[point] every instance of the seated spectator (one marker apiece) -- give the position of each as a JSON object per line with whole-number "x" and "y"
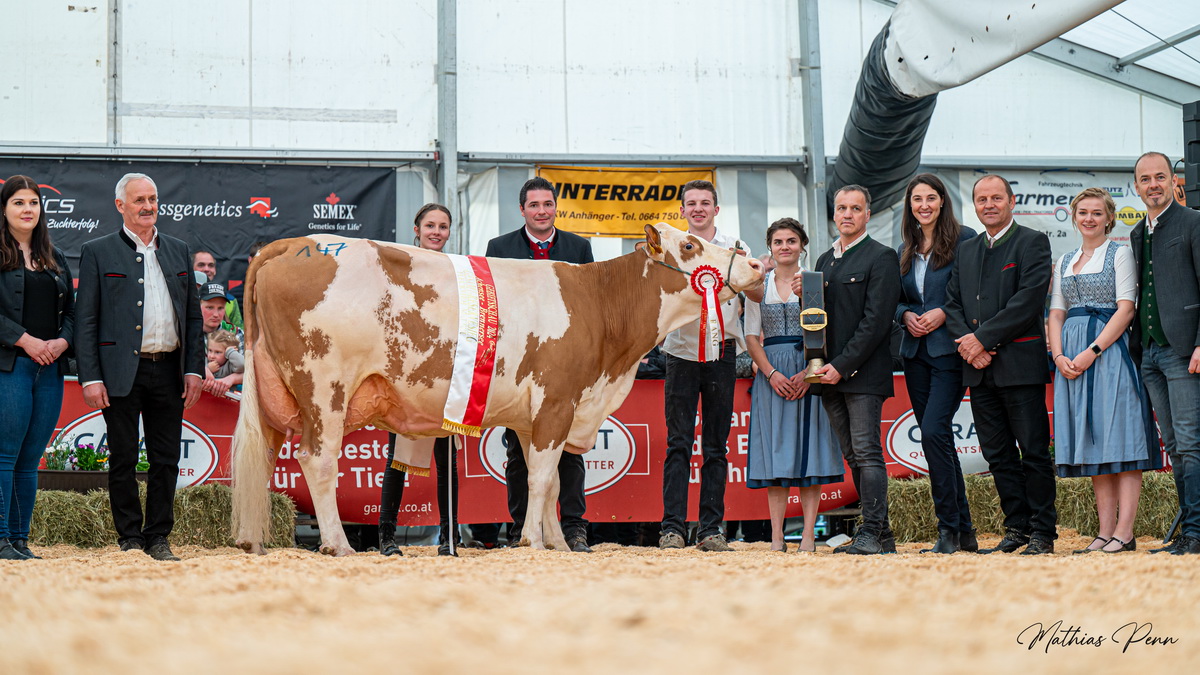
{"x": 224, "y": 358}
{"x": 212, "y": 312}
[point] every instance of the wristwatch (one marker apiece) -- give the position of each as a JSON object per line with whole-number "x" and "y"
{"x": 1095, "y": 349}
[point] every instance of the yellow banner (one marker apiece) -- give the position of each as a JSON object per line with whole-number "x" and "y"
{"x": 617, "y": 201}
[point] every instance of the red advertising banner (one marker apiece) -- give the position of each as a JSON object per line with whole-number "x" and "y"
{"x": 624, "y": 469}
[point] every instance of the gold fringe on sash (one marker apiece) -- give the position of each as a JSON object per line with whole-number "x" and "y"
{"x": 406, "y": 468}
{"x": 457, "y": 428}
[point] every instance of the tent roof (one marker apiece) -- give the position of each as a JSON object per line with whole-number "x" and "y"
{"x": 1163, "y": 36}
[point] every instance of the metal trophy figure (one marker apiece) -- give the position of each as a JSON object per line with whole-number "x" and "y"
{"x": 813, "y": 320}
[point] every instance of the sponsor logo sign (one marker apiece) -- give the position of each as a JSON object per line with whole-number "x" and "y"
{"x": 197, "y": 452}
{"x": 338, "y": 216}
{"x": 606, "y": 463}
{"x": 619, "y": 202}
{"x": 904, "y": 442}
{"x": 261, "y": 206}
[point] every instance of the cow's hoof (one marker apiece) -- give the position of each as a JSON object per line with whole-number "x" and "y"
{"x": 337, "y": 551}
{"x": 251, "y": 547}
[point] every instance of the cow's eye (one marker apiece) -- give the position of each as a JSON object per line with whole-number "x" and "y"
{"x": 688, "y": 247}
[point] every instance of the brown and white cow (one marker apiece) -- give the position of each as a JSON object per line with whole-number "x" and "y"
{"x": 341, "y": 333}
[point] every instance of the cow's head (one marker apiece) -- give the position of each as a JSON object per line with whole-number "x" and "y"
{"x": 687, "y": 253}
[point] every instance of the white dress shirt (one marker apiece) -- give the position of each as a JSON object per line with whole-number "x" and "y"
{"x": 684, "y": 342}
{"x": 839, "y": 250}
{"x": 991, "y": 241}
{"x": 159, "y": 333}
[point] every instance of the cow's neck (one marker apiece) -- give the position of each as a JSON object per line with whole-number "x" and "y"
{"x": 638, "y": 303}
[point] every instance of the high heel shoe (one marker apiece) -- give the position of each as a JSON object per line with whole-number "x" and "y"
{"x": 1103, "y": 543}
{"x": 1130, "y": 545}
{"x": 780, "y": 550}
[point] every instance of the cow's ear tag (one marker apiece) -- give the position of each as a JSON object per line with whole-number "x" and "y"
{"x": 653, "y": 241}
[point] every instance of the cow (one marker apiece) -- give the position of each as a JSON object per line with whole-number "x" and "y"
{"x": 342, "y": 333}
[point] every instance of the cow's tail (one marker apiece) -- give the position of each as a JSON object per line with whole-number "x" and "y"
{"x": 253, "y": 456}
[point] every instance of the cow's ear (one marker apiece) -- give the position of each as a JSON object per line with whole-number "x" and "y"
{"x": 653, "y": 240}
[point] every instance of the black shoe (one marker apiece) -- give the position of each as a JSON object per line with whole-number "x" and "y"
{"x": 967, "y": 541}
{"x": 947, "y": 543}
{"x": 133, "y": 545}
{"x": 1187, "y": 546}
{"x": 578, "y": 544}
{"x": 1082, "y": 551}
{"x": 887, "y": 542}
{"x": 387, "y": 540}
{"x": 1039, "y": 546}
{"x": 1013, "y": 540}
{"x": 7, "y": 552}
{"x": 1168, "y": 548}
{"x": 22, "y": 546}
{"x": 161, "y": 550}
{"x": 444, "y": 549}
{"x": 1130, "y": 545}
{"x": 865, "y": 543}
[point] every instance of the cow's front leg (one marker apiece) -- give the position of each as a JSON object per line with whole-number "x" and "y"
{"x": 543, "y": 497}
{"x": 321, "y": 472}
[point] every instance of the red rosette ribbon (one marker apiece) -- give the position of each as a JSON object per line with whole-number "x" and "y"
{"x": 707, "y": 282}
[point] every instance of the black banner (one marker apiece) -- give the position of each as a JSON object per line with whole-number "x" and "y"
{"x": 220, "y": 208}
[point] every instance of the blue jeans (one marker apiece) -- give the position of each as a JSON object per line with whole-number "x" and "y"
{"x": 1175, "y": 395}
{"x": 30, "y": 400}
{"x": 855, "y": 419}
{"x": 710, "y": 384}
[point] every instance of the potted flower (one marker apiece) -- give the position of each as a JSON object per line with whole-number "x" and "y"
{"x": 68, "y": 465}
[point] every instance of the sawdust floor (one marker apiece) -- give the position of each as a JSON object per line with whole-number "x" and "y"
{"x": 627, "y": 610}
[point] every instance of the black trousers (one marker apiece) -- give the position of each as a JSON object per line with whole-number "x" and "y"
{"x": 936, "y": 390}
{"x": 393, "y": 485}
{"x": 571, "y": 502}
{"x": 157, "y": 397}
{"x": 1014, "y": 434}
{"x": 710, "y": 385}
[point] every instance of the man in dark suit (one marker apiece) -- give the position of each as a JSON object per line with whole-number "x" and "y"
{"x": 1168, "y": 330}
{"x": 138, "y": 347}
{"x": 540, "y": 240}
{"x": 862, "y": 290}
{"x": 994, "y": 307}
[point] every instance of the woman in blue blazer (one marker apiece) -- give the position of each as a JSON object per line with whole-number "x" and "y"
{"x": 932, "y": 367}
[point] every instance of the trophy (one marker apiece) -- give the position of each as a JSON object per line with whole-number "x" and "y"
{"x": 813, "y": 320}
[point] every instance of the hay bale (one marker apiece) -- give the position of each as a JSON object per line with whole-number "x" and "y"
{"x": 910, "y": 506}
{"x": 201, "y": 518}
{"x": 69, "y": 518}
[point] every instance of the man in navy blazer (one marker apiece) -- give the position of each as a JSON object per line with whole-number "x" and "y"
{"x": 138, "y": 345}
{"x": 540, "y": 240}
{"x": 1168, "y": 330}
{"x": 995, "y": 302}
{"x": 862, "y": 289}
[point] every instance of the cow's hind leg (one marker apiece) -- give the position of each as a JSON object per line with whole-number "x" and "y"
{"x": 320, "y": 469}
{"x": 541, "y": 518}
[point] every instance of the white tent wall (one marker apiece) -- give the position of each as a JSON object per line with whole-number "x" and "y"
{"x": 278, "y": 74}
{"x": 705, "y": 77}
{"x": 53, "y": 88}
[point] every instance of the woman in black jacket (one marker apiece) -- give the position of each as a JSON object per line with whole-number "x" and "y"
{"x": 37, "y": 315}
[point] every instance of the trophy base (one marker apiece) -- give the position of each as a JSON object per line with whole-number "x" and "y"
{"x": 810, "y": 373}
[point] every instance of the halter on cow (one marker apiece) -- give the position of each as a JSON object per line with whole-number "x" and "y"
{"x": 341, "y": 333}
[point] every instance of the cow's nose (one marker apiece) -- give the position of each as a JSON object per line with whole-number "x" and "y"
{"x": 756, "y": 265}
